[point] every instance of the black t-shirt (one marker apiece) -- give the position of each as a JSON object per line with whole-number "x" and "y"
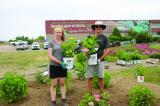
{"x": 103, "y": 43}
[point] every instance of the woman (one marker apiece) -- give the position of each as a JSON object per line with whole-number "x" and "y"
{"x": 57, "y": 69}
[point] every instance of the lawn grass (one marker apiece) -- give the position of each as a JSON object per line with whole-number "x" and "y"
{"x": 151, "y": 74}
{"x": 23, "y": 59}
{"x": 155, "y": 46}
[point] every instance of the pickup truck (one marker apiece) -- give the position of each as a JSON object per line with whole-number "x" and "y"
{"x": 22, "y": 46}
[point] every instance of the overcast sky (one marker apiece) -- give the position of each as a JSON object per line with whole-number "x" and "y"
{"x": 27, "y": 17}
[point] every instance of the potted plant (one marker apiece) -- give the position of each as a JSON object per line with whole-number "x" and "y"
{"x": 91, "y": 43}
{"x": 155, "y": 58}
{"x": 140, "y": 73}
{"x": 128, "y": 59}
{"x": 136, "y": 57}
{"x": 69, "y": 47}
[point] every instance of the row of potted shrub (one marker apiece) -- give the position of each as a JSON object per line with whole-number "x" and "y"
{"x": 128, "y": 58}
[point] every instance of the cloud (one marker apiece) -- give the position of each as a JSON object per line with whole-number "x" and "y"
{"x": 27, "y": 17}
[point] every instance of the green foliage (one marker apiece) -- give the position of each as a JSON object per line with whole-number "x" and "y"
{"x": 141, "y": 96}
{"x": 144, "y": 37}
{"x": 109, "y": 58}
{"x": 13, "y": 87}
{"x": 91, "y": 43}
{"x": 80, "y": 65}
{"x": 86, "y": 99}
{"x": 68, "y": 85}
{"x": 136, "y": 55}
{"x": 106, "y": 80}
{"x": 89, "y": 98}
{"x": 69, "y": 47}
{"x": 42, "y": 79}
{"x": 126, "y": 38}
{"x": 103, "y": 101}
{"x": 132, "y": 33}
{"x": 113, "y": 38}
{"x": 40, "y": 38}
{"x": 81, "y": 58}
{"x": 155, "y": 56}
{"x": 139, "y": 70}
{"x": 116, "y": 32}
{"x": 122, "y": 55}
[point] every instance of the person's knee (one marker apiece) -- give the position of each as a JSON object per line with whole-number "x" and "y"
{"x": 53, "y": 85}
{"x": 62, "y": 83}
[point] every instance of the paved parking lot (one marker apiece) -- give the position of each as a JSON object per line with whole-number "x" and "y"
{"x": 8, "y": 48}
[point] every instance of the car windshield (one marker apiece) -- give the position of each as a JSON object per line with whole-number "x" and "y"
{"x": 20, "y": 44}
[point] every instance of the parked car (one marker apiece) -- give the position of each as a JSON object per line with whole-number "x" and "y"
{"x": 45, "y": 45}
{"x": 21, "y": 46}
{"x": 35, "y": 46}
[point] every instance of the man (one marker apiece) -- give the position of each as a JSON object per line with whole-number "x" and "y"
{"x": 102, "y": 51}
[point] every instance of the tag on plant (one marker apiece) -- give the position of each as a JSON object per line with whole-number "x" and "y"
{"x": 92, "y": 60}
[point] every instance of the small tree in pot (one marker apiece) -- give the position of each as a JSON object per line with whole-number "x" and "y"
{"x": 91, "y": 43}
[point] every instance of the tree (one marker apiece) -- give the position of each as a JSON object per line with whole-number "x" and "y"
{"x": 116, "y": 32}
{"x": 132, "y": 33}
{"x": 40, "y": 38}
{"x": 22, "y": 38}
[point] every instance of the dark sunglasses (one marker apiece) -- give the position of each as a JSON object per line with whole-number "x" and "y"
{"x": 98, "y": 26}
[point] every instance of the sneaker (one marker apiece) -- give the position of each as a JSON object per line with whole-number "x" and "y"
{"x": 53, "y": 103}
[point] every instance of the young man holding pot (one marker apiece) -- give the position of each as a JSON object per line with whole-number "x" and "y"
{"x": 103, "y": 50}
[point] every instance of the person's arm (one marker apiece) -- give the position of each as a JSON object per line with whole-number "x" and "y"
{"x": 53, "y": 58}
{"x": 105, "y": 53}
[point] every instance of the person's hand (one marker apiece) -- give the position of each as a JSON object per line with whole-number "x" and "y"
{"x": 99, "y": 60}
{"x": 85, "y": 50}
{"x": 63, "y": 65}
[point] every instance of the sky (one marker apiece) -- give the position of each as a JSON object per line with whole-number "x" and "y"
{"x": 27, "y": 17}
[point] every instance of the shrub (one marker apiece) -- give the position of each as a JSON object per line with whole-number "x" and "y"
{"x": 139, "y": 70}
{"x": 91, "y": 43}
{"x": 116, "y": 32}
{"x": 13, "y": 87}
{"x": 141, "y": 96}
{"x": 80, "y": 65}
{"x": 69, "y": 47}
{"x": 113, "y": 38}
{"x": 42, "y": 79}
{"x": 87, "y": 99}
{"x": 144, "y": 37}
{"x": 136, "y": 55}
{"x": 155, "y": 56}
{"x": 126, "y": 38}
{"x": 106, "y": 80}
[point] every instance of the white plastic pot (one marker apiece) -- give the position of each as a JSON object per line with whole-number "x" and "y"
{"x": 123, "y": 62}
{"x": 92, "y": 60}
{"x": 69, "y": 62}
{"x": 140, "y": 78}
{"x": 45, "y": 73}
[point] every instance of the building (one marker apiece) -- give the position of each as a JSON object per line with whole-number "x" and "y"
{"x": 155, "y": 28}
{"x": 81, "y": 28}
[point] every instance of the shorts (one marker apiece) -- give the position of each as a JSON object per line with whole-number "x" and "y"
{"x": 57, "y": 71}
{"x": 98, "y": 69}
